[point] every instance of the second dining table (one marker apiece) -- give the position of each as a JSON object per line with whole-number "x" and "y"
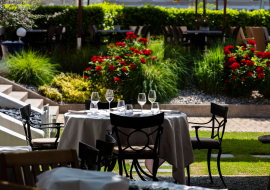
{"x": 175, "y": 144}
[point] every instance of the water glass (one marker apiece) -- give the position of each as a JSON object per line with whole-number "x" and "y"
{"x": 121, "y": 106}
{"x": 155, "y": 108}
{"x": 93, "y": 108}
{"x": 129, "y": 109}
{"x": 109, "y": 97}
{"x": 152, "y": 96}
{"x": 95, "y": 98}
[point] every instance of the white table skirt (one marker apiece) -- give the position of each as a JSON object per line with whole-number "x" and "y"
{"x": 175, "y": 144}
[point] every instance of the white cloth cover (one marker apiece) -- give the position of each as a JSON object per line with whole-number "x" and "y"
{"x": 5, "y": 149}
{"x": 83, "y": 112}
{"x": 76, "y": 179}
{"x": 170, "y": 111}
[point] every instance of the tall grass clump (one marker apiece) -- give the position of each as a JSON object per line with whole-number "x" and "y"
{"x": 31, "y": 68}
{"x": 208, "y": 70}
{"x": 4, "y": 70}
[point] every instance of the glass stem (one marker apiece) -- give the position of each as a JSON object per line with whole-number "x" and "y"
{"x": 141, "y": 107}
{"x": 109, "y": 106}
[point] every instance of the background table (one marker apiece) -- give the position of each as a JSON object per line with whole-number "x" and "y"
{"x": 175, "y": 144}
{"x": 115, "y": 31}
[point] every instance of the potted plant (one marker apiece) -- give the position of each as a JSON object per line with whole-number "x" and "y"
{"x": 204, "y": 24}
{"x": 118, "y": 20}
{"x": 16, "y": 16}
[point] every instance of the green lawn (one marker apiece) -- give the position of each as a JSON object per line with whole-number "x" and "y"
{"x": 242, "y": 145}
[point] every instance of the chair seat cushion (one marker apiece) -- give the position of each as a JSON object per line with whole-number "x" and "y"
{"x": 204, "y": 142}
{"x": 130, "y": 151}
{"x": 44, "y": 142}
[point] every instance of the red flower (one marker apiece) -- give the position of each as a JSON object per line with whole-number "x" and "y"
{"x": 116, "y": 79}
{"x": 88, "y": 69}
{"x": 243, "y": 62}
{"x": 252, "y": 42}
{"x": 260, "y": 54}
{"x": 111, "y": 46}
{"x": 249, "y": 74}
{"x": 122, "y": 63}
{"x": 117, "y": 57}
{"x": 95, "y": 58}
{"x": 229, "y": 47}
{"x": 85, "y": 77}
{"x": 249, "y": 63}
{"x": 227, "y": 52}
{"x": 267, "y": 63}
{"x": 246, "y": 57}
{"x": 226, "y": 80}
{"x": 98, "y": 68}
{"x": 230, "y": 61}
{"x": 243, "y": 45}
{"x": 260, "y": 75}
{"x": 120, "y": 44}
{"x": 144, "y": 40}
{"x": 100, "y": 60}
{"x": 244, "y": 49}
{"x": 132, "y": 48}
{"x": 234, "y": 77}
{"x": 99, "y": 73}
{"x": 110, "y": 57}
{"x": 130, "y": 35}
{"x": 146, "y": 52}
{"x": 252, "y": 50}
{"x": 112, "y": 68}
{"x": 132, "y": 66}
{"x": 243, "y": 79}
{"x": 124, "y": 69}
{"x": 225, "y": 89}
{"x": 143, "y": 60}
{"x": 137, "y": 51}
{"x": 259, "y": 70}
{"x": 235, "y": 66}
{"x": 127, "y": 55}
{"x": 12, "y": 29}
{"x": 266, "y": 55}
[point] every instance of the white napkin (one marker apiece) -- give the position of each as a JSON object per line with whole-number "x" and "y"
{"x": 170, "y": 111}
{"x": 78, "y": 112}
{"x": 76, "y": 179}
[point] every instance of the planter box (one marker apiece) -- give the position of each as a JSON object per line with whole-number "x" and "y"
{"x": 11, "y": 48}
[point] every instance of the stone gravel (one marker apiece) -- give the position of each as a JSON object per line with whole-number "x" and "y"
{"x": 191, "y": 95}
{"x": 232, "y": 182}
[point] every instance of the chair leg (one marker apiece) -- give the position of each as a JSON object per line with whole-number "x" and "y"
{"x": 155, "y": 169}
{"x": 125, "y": 168}
{"x": 131, "y": 167}
{"x": 208, "y": 164}
{"x": 137, "y": 170}
{"x": 120, "y": 166}
{"x": 188, "y": 174}
{"x": 218, "y": 165}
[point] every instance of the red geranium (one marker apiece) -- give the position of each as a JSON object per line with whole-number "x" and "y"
{"x": 252, "y": 42}
{"x": 226, "y": 80}
{"x": 243, "y": 45}
{"x": 249, "y": 74}
{"x": 267, "y": 63}
{"x": 132, "y": 66}
{"x": 85, "y": 77}
{"x": 260, "y": 54}
{"x": 229, "y": 47}
{"x": 116, "y": 79}
{"x": 225, "y": 89}
{"x": 124, "y": 69}
{"x": 136, "y": 51}
{"x": 144, "y": 40}
{"x": 143, "y": 60}
{"x": 98, "y": 68}
{"x": 246, "y": 57}
{"x": 12, "y": 29}
{"x": 227, "y": 52}
{"x": 266, "y": 55}
{"x": 127, "y": 55}
{"x": 252, "y": 50}
{"x": 132, "y": 48}
{"x": 234, "y": 77}
{"x": 235, "y": 66}
{"x": 88, "y": 69}
{"x": 120, "y": 44}
{"x": 111, "y": 46}
{"x": 146, "y": 52}
{"x": 249, "y": 63}
{"x": 243, "y": 79}
{"x": 259, "y": 70}
{"x": 117, "y": 57}
{"x": 260, "y": 75}
{"x": 112, "y": 68}
{"x": 130, "y": 35}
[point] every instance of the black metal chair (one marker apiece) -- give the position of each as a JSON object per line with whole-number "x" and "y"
{"x": 211, "y": 143}
{"x": 145, "y": 31}
{"x": 126, "y": 127}
{"x": 166, "y": 34}
{"x": 58, "y": 36}
{"x": 40, "y": 143}
{"x": 88, "y": 156}
{"x": 104, "y": 105}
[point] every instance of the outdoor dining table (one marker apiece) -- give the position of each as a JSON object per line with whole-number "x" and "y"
{"x": 115, "y": 31}
{"x": 175, "y": 144}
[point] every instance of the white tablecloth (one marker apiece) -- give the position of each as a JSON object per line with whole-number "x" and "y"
{"x": 175, "y": 145}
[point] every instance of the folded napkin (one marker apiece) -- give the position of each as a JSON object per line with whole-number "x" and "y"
{"x": 78, "y": 112}
{"x": 170, "y": 111}
{"x": 76, "y": 179}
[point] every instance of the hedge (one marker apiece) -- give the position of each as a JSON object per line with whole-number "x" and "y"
{"x": 99, "y": 14}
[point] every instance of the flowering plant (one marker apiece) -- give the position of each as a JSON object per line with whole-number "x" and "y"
{"x": 124, "y": 63}
{"x": 246, "y": 69}
{"x": 55, "y": 18}
{"x": 204, "y": 22}
{"x": 118, "y": 19}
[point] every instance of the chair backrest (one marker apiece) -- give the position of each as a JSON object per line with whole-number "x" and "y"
{"x": 266, "y": 33}
{"x": 50, "y": 32}
{"x": 25, "y": 115}
{"x": 88, "y": 156}
{"x": 136, "y": 28}
{"x": 104, "y": 105}
{"x": 143, "y": 30}
{"x": 4, "y": 185}
{"x": 175, "y": 34}
{"x": 221, "y": 112}
{"x": 242, "y": 35}
{"x": 235, "y": 33}
{"x": 259, "y": 37}
{"x": 58, "y": 32}
{"x": 183, "y": 28}
{"x": 95, "y": 28}
{"x": 129, "y": 127}
{"x": 249, "y": 32}
{"x": 26, "y": 166}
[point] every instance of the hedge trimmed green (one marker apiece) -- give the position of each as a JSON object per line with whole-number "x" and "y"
{"x": 100, "y": 15}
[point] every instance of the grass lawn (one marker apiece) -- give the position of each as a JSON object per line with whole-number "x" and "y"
{"x": 242, "y": 145}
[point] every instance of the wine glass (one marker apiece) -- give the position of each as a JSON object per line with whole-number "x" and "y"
{"x": 109, "y": 97}
{"x": 121, "y": 106}
{"x": 95, "y": 98}
{"x": 129, "y": 109}
{"x": 141, "y": 100}
{"x": 152, "y": 96}
{"x": 154, "y": 108}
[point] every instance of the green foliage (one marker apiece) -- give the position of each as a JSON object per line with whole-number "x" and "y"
{"x": 102, "y": 14}
{"x": 208, "y": 70}
{"x": 4, "y": 70}
{"x": 31, "y": 68}
{"x": 51, "y": 93}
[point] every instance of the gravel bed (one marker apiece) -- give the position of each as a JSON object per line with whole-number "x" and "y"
{"x": 232, "y": 182}
{"x": 191, "y": 95}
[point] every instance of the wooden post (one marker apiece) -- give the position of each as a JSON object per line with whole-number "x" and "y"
{"x": 80, "y": 19}
{"x": 224, "y": 14}
{"x": 88, "y": 2}
{"x": 216, "y": 4}
{"x": 204, "y": 12}
{"x": 196, "y": 15}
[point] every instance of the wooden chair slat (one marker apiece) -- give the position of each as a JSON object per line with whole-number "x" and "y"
{"x": 18, "y": 175}
{"x": 54, "y": 165}
{"x": 63, "y": 164}
{"x": 36, "y": 170}
{"x": 45, "y": 167}
{"x": 28, "y": 176}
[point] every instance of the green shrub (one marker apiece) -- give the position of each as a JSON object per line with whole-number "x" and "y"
{"x": 4, "y": 70}
{"x": 51, "y": 93}
{"x": 31, "y": 68}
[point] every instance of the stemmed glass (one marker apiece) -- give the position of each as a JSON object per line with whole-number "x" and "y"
{"x": 142, "y": 100}
{"x": 95, "y": 98}
{"x": 109, "y": 97}
{"x": 152, "y": 96}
